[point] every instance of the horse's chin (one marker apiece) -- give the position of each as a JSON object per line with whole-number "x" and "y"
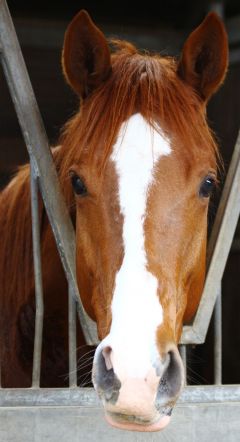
{"x": 133, "y": 424}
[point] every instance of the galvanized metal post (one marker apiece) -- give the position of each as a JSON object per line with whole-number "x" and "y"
{"x": 183, "y": 353}
{"x": 38, "y": 282}
{"x": 218, "y": 339}
{"x": 72, "y": 340}
{"x": 216, "y": 6}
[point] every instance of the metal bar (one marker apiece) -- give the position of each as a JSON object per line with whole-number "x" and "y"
{"x": 41, "y": 158}
{"x": 183, "y": 353}
{"x": 218, "y": 250}
{"x": 190, "y": 423}
{"x": 72, "y": 340}
{"x": 218, "y": 339}
{"x": 87, "y": 397}
{"x": 232, "y": 178}
{"x": 216, "y": 6}
{"x": 36, "y": 373}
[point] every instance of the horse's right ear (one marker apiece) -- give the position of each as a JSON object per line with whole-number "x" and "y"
{"x": 86, "y": 55}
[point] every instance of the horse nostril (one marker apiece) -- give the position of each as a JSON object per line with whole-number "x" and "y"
{"x": 107, "y": 383}
{"x": 172, "y": 379}
{"x": 106, "y": 352}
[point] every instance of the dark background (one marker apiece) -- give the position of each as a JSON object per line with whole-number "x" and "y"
{"x": 159, "y": 26}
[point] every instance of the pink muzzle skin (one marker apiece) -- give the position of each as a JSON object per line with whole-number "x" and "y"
{"x": 131, "y": 426}
{"x": 137, "y": 403}
{"x": 135, "y": 408}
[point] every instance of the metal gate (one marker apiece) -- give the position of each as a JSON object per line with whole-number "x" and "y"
{"x": 75, "y": 414}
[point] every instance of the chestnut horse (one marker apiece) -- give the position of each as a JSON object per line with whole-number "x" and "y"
{"x": 137, "y": 165}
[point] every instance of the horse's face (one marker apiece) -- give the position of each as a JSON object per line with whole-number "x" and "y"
{"x": 141, "y": 230}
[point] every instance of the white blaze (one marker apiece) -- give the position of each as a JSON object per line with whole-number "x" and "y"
{"x": 136, "y": 309}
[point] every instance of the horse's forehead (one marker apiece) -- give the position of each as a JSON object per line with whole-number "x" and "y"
{"x": 135, "y": 154}
{"x": 138, "y": 147}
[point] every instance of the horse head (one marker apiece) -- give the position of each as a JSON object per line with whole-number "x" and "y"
{"x": 142, "y": 165}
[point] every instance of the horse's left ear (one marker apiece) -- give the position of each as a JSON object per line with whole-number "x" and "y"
{"x": 86, "y": 55}
{"x": 204, "y": 59}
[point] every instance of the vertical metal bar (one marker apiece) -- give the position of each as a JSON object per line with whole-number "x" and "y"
{"x": 72, "y": 340}
{"x": 218, "y": 339}
{"x": 38, "y": 281}
{"x": 216, "y": 6}
{"x": 183, "y": 353}
{"x": 0, "y": 369}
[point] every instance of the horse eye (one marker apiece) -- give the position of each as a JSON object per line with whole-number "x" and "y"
{"x": 207, "y": 187}
{"x": 78, "y": 185}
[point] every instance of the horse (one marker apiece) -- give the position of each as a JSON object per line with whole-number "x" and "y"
{"x": 137, "y": 165}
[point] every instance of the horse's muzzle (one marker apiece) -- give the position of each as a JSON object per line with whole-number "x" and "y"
{"x": 140, "y": 404}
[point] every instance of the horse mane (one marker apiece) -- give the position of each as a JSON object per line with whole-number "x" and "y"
{"x": 16, "y": 254}
{"x": 140, "y": 82}
{"x": 16, "y": 248}
{"x": 15, "y": 201}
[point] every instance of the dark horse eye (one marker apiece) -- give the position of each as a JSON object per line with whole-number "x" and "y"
{"x": 78, "y": 185}
{"x": 207, "y": 187}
